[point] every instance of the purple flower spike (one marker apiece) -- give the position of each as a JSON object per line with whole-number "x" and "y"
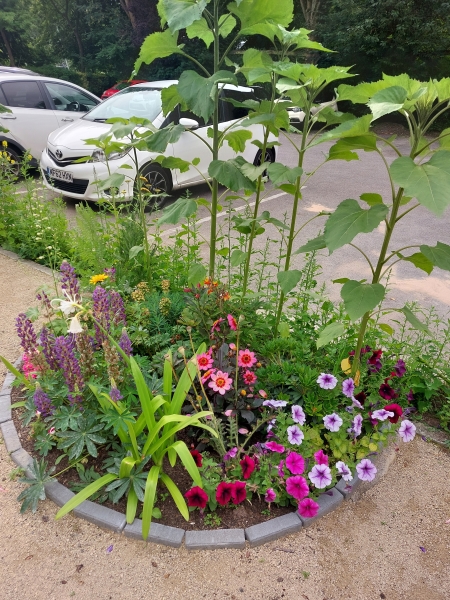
{"x": 70, "y": 367}
{"x": 101, "y": 312}
{"x": 69, "y": 280}
{"x": 125, "y": 343}
{"x": 115, "y": 394}
{"x": 43, "y": 403}
{"x": 26, "y": 333}
{"x": 117, "y": 309}
{"x": 47, "y": 341}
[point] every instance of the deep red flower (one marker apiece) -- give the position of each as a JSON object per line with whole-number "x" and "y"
{"x": 196, "y": 497}
{"x": 224, "y": 492}
{"x": 239, "y": 493}
{"x": 376, "y": 355}
{"x": 361, "y": 396}
{"x": 396, "y": 409}
{"x": 387, "y": 392}
{"x": 197, "y": 457}
{"x": 248, "y": 466}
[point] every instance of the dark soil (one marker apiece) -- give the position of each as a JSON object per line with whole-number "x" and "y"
{"x": 231, "y": 517}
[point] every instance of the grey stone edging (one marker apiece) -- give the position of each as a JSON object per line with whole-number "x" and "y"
{"x": 163, "y": 534}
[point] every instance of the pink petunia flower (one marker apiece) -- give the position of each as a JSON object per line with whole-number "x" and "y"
{"x": 232, "y": 322}
{"x": 205, "y": 361}
{"x": 295, "y": 463}
{"x": 320, "y": 476}
{"x": 366, "y": 470}
{"x": 321, "y": 458}
{"x": 248, "y": 466}
{"x": 270, "y": 495}
{"x": 238, "y": 492}
{"x": 230, "y": 454}
{"x": 407, "y": 431}
{"x": 297, "y": 487}
{"x": 246, "y": 358}
{"x": 274, "y": 447}
{"x": 295, "y": 435}
{"x": 327, "y": 381}
{"x": 196, "y": 497}
{"x": 298, "y": 415}
{"x": 249, "y": 377}
{"x": 220, "y": 382}
{"x": 280, "y": 468}
{"x": 332, "y": 422}
{"x": 308, "y": 508}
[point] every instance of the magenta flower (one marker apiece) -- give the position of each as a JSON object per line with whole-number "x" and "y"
{"x": 232, "y": 322}
{"x": 320, "y": 476}
{"x": 274, "y": 447}
{"x": 275, "y": 403}
{"x": 207, "y": 375}
{"x": 205, "y": 361}
{"x": 196, "y": 497}
{"x": 216, "y": 325}
{"x": 297, "y": 487}
{"x": 348, "y": 387}
{"x": 249, "y": 378}
{"x": 298, "y": 415}
{"x": 270, "y": 495}
{"x": 220, "y": 382}
{"x": 238, "y": 492}
{"x": 230, "y": 454}
{"x": 295, "y": 435}
{"x": 396, "y": 409}
{"x": 332, "y": 422}
{"x": 308, "y": 508}
{"x": 295, "y": 463}
{"x": 327, "y": 381}
{"x": 366, "y": 470}
{"x": 357, "y": 425}
{"x": 246, "y": 358}
{"x": 344, "y": 471}
{"x": 321, "y": 458}
{"x": 400, "y": 368}
{"x": 407, "y": 431}
{"x": 224, "y": 492}
{"x": 248, "y": 466}
{"x": 387, "y": 392}
{"x": 382, "y": 414}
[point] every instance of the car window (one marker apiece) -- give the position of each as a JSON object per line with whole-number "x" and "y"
{"x": 2, "y": 97}
{"x": 131, "y": 102}
{"x": 23, "y": 94}
{"x": 66, "y": 97}
{"x": 236, "y": 112}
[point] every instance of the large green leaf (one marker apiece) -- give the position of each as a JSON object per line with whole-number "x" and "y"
{"x": 199, "y": 29}
{"x": 428, "y": 182}
{"x": 176, "y": 495}
{"x": 198, "y": 91}
{"x": 419, "y": 260}
{"x": 348, "y": 220}
{"x": 170, "y": 162}
{"x": 182, "y": 13}
{"x": 237, "y": 257}
{"x": 158, "y": 142}
{"x": 253, "y": 14}
{"x": 256, "y": 66}
{"x": 360, "y": 298}
{"x": 344, "y": 149}
{"x": 387, "y": 101}
{"x": 329, "y": 333}
{"x": 229, "y": 174}
{"x": 171, "y": 98}
{"x": 413, "y": 320}
{"x": 132, "y": 503}
{"x": 280, "y": 173}
{"x": 157, "y": 45}
{"x": 352, "y": 128}
{"x": 237, "y": 139}
{"x": 149, "y": 499}
{"x": 317, "y": 243}
{"x": 438, "y": 255}
{"x": 144, "y": 394}
{"x": 181, "y": 209}
{"x": 371, "y": 198}
{"x": 114, "y": 180}
{"x": 196, "y": 274}
{"x": 288, "y": 280}
{"x": 189, "y": 464}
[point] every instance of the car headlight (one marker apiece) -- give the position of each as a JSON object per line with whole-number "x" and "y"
{"x": 100, "y": 156}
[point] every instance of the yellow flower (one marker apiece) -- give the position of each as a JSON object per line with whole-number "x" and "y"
{"x": 98, "y": 278}
{"x": 4, "y": 143}
{"x": 29, "y": 157}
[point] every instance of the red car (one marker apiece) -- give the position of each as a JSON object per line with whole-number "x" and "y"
{"x": 121, "y": 85}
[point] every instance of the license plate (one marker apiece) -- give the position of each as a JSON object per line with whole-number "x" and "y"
{"x": 61, "y": 175}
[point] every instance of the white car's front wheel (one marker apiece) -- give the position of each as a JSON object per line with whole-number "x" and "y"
{"x": 11, "y": 160}
{"x": 155, "y": 184}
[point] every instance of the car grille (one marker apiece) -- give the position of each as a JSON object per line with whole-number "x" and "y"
{"x": 77, "y": 186}
{"x": 66, "y": 161}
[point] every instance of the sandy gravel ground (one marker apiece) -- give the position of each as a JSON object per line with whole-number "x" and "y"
{"x": 366, "y": 550}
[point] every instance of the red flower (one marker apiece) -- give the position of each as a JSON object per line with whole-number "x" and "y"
{"x": 196, "y": 497}
{"x": 249, "y": 377}
{"x": 224, "y": 492}
{"x": 396, "y": 409}
{"x": 376, "y": 355}
{"x": 248, "y": 466}
{"x": 361, "y": 396}
{"x": 197, "y": 457}
{"x": 387, "y": 392}
{"x": 239, "y": 493}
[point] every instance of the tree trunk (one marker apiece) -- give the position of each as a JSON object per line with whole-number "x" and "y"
{"x": 8, "y": 48}
{"x": 310, "y": 10}
{"x": 143, "y": 17}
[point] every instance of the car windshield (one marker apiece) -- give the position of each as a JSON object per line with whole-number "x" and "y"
{"x": 131, "y": 102}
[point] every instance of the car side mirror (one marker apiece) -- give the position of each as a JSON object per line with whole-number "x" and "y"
{"x": 189, "y": 123}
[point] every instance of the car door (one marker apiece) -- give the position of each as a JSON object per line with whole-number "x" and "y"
{"x": 69, "y": 102}
{"x": 32, "y": 119}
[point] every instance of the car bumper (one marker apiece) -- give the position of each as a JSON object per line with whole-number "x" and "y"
{"x": 85, "y": 178}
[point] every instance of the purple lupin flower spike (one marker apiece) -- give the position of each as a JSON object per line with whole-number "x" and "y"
{"x": 69, "y": 280}
{"x": 125, "y": 343}
{"x": 43, "y": 297}
{"x": 70, "y": 367}
{"x": 43, "y": 403}
{"x": 47, "y": 341}
{"x": 117, "y": 309}
{"x": 26, "y": 333}
{"x": 111, "y": 272}
{"x": 101, "y": 312}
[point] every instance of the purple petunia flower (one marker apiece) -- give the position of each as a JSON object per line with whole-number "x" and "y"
{"x": 298, "y": 415}
{"x": 400, "y": 368}
{"x": 382, "y": 414}
{"x": 275, "y": 403}
{"x": 230, "y": 454}
{"x": 332, "y": 422}
{"x": 348, "y": 387}
{"x": 270, "y": 425}
{"x": 280, "y": 468}
{"x": 344, "y": 471}
{"x": 366, "y": 470}
{"x": 295, "y": 435}
{"x": 295, "y": 463}
{"x": 410, "y": 396}
{"x": 42, "y": 402}
{"x": 327, "y": 381}
{"x": 407, "y": 431}
{"x": 356, "y": 403}
{"x": 270, "y": 495}
{"x": 357, "y": 425}
{"x": 320, "y": 476}
{"x": 26, "y": 333}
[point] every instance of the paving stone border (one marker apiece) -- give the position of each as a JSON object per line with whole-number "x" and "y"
{"x": 112, "y": 520}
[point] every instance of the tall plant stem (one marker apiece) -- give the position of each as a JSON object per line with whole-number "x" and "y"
{"x": 297, "y": 195}
{"x": 215, "y": 153}
{"x": 377, "y": 276}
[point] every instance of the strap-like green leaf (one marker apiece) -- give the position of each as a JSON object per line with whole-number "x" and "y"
{"x": 126, "y": 466}
{"x": 144, "y": 394}
{"x": 176, "y": 495}
{"x": 23, "y": 380}
{"x": 149, "y": 499}
{"x": 186, "y": 458}
{"x": 85, "y": 494}
{"x": 167, "y": 377}
{"x": 132, "y": 503}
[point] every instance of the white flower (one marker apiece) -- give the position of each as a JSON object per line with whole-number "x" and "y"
{"x": 75, "y": 325}
{"x": 65, "y": 306}
{"x": 344, "y": 471}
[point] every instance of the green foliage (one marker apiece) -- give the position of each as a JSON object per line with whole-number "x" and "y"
{"x": 84, "y": 433}
{"x": 36, "y": 486}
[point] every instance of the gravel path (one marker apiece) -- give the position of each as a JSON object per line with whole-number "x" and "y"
{"x": 366, "y": 550}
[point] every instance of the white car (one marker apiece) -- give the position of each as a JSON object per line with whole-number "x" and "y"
{"x": 79, "y": 181}
{"x": 38, "y": 105}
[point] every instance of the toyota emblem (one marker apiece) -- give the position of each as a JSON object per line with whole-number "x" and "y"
{"x": 59, "y": 154}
